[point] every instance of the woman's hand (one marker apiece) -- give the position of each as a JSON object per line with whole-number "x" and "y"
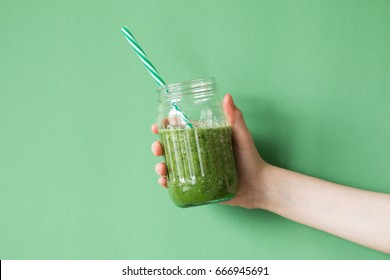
{"x": 357, "y": 215}
{"x": 248, "y": 161}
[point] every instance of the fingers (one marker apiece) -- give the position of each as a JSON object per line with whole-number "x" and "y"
{"x": 160, "y": 167}
{"x": 161, "y": 170}
{"x": 163, "y": 181}
{"x": 154, "y": 128}
{"x": 163, "y": 124}
{"x": 157, "y": 149}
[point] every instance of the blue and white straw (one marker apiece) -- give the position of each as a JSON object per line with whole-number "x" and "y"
{"x": 152, "y": 70}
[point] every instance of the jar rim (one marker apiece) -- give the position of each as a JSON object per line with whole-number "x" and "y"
{"x": 186, "y": 85}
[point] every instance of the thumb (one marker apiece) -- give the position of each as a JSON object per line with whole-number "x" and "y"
{"x": 241, "y": 134}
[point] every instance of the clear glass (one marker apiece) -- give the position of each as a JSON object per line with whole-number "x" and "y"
{"x": 199, "y": 159}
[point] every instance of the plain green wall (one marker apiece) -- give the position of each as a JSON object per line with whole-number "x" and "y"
{"x": 77, "y": 176}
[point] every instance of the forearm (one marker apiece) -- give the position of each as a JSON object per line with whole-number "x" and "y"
{"x": 360, "y": 216}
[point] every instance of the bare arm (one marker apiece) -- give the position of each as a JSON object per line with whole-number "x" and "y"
{"x": 357, "y": 215}
{"x": 360, "y": 216}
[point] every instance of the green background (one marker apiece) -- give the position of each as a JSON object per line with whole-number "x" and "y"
{"x": 77, "y": 175}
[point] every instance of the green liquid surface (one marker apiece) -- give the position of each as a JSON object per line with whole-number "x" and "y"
{"x": 200, "y": 164}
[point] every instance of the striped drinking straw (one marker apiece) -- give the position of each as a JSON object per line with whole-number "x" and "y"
{"x": 152, "y": 70}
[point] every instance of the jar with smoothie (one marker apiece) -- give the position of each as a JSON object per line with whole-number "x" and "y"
{"x": 199, "y": 156}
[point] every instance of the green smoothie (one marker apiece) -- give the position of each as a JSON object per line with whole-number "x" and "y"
{"x": 200, "y": 164}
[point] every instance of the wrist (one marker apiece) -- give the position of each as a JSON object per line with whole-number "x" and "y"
{"x": 267, "y": 192}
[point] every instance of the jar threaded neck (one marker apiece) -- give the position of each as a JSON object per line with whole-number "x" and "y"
{"x": 198, "y": 86}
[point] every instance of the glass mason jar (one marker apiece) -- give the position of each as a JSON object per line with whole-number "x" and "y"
{"x": 197, "y": 143}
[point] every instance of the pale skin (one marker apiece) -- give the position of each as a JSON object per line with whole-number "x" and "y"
{"x": 357, "y": 215}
